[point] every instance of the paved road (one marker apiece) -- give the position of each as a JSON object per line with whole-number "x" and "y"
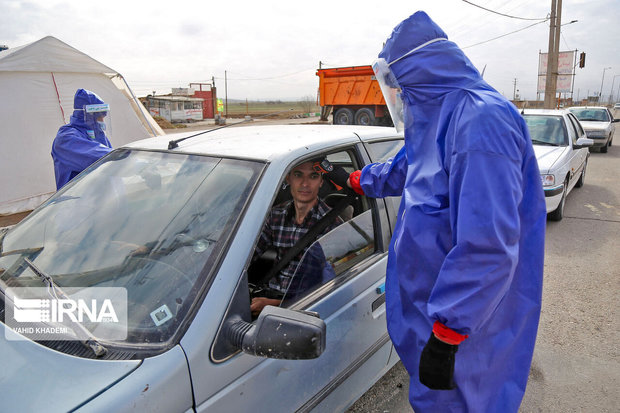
{"x": 576, "y": 364}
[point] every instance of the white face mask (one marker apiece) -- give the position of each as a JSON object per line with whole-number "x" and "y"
{"x": 101, "y": 125}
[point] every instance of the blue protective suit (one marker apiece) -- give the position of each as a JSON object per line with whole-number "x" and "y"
{"x": 468, "y": 245}
{"x": 79, "y": 143}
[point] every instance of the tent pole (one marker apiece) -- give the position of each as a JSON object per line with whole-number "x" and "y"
{"x": 137, "y": 103}
{"x": 58, "y": 96}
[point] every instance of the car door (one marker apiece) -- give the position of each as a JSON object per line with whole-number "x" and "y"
{"x": 351, "y": 303}
{"x": 578, "y": 156}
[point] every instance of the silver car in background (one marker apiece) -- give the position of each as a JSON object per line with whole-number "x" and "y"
{"x": 598, "y": 122}
{"x": 561, "y": 148}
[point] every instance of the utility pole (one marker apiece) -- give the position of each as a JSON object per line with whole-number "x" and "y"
{"x": 552, "y": 54}
{"x": 600, "y": 93}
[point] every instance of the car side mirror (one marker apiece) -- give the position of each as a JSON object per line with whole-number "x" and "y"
{"x": 615, "y": 120}
{"x": 583, "y": 142}
{"x": 279, "y": 333}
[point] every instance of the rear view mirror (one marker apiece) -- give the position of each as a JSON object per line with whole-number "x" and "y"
{"x": 279, "y": 333}
{"x": 583, "y": 142}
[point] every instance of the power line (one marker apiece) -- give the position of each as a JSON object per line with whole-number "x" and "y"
{"x": 268, "y": 78}
{"x": 502, "y": 14}
{"x": 503, "y": 35}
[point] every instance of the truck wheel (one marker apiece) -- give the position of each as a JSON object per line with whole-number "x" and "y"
{"x": 365, "y": 117}
{"x": 343, "y": 116}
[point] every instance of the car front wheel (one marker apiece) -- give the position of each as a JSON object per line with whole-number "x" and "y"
{"x": 582, "y": 177}
{"x": 604, "y": 148}
{"x": 558, "y": 214}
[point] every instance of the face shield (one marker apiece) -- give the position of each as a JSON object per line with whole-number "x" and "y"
{"x": 391, "y": 92}
{"x": 98, "y": 118}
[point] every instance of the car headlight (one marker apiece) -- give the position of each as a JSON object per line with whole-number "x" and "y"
{"x": 547, "y": 180}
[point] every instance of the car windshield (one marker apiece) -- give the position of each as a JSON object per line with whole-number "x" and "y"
{"x": 591, "y": 115}
{"x": 153, "y": 223}
{"x": 546, "y": 130}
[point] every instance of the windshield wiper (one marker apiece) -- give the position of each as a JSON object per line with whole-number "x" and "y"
{"x": 537, "y": 142}
{"x": 91, "y": 342}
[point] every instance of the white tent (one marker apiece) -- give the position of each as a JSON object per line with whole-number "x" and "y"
{"x": 37, "y": 85}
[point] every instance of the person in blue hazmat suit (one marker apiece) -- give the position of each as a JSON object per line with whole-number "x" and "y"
{"x": 83, "y": 140}
{"x": 465, "y": 265}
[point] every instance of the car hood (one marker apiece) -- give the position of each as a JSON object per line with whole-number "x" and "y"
{"x": 589, "y": 125}
{"x": 36, "y": 378}
{"x": 547, "y": 156}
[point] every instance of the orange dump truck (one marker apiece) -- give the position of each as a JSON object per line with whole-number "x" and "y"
{"x": 354, "y": 96}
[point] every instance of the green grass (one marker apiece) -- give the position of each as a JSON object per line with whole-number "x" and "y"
{"x": 258, "y": 108}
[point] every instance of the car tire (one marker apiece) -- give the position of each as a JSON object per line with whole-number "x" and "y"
{"x": 364, "y": 117}
{"x": 558, "y": 214}
{"x": 582, "y": 177}
{"x": 343, "y": 116}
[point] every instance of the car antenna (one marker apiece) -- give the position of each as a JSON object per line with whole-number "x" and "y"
{"x": 175, "y": 143}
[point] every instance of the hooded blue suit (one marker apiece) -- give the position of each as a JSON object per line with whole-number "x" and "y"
{"x": 468, "y": 245}
{"x": 79, "y": 143}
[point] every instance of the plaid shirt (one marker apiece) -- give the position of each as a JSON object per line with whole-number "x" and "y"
{"x": 282, "y": 232}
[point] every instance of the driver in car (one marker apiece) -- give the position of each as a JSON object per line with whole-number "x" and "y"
{"x": 286, "y": 225}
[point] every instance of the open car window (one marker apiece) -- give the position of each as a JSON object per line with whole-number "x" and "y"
{"x": 310, "y": 269}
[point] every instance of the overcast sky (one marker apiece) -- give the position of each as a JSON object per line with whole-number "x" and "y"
{"x": 271, "y": 49}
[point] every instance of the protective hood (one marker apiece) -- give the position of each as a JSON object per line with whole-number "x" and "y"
{"x": 468, "y": 244}
{"x": 82, "y": 98}
{"x": 436, "y": 68}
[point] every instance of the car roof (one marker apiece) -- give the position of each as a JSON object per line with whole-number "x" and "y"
{"x": 549, "y": 112}
{"x": 588, "y": 107}
{"x": 265, "y": 143}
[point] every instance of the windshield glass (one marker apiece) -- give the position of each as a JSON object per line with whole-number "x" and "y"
{"x": 546, "y": 130}
{"x": 151, "y": 222}
{"x": 590, "y": 114}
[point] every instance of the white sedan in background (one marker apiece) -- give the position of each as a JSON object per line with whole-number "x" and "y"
{"x": 561, "y": 148}
{"x": 598, "y": 123}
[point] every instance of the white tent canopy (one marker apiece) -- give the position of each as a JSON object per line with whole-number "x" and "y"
{"x": 37, "y": 85}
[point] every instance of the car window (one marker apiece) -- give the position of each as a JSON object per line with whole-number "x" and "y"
{"x": 332, "y": 255}
{"x": 546, "y": 129}
{"x": 577, "y": 126}
{"x": 317, "y": 264}
{"x": 591, "y": 114}
{"x": 383, "y": 150}
{"x": 572, "y": 132}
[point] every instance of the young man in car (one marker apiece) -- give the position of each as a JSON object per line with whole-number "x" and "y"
{"x": 286, "y": 225}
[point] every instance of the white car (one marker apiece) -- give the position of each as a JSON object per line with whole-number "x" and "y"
{"x": 598, "y": 123}
{"x": 561, "y": 148}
